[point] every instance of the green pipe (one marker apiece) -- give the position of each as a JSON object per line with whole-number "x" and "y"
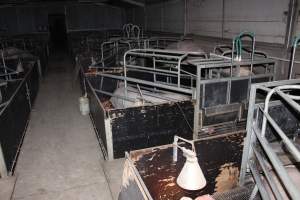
{"x": 296, "y": 41}
{"x": 238, "y": 41}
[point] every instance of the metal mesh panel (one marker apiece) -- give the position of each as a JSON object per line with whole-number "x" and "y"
{"x": 239, "y": 193}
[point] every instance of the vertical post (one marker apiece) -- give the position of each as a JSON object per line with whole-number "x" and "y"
{"x": 248, "y": 140}
{"x": 178, "y": 73}
{"x": 292, "y": 15}
{"x": 3, "y": 169}
{"x": 125, "y": 75}
{"x": 197, "y": 104}
{"x": 154, "y": 67}
{"x": 251, "y": 66}
{"x": 291, "y": 22}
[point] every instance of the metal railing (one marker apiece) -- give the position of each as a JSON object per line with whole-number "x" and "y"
{"x": 259, "y": 157}
{"x": 294, "y": 48}
{"x": 164, "y": 63}
{"x": 190, "y": 73}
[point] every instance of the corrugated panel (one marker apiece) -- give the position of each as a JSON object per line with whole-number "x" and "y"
{"x": 154, "y": 17}
{"x": 139, "y": 16}
{"x": 265, "y": 18}
{"x": 26, "y": 19}
{"x": 115, "y": 18}
{"x": 205, "y": 17}
{"x": 297, "y": 31}
{"x": 173, "y": 16}
{"x": 81, "y": 17}
{"x": 8, "y": 20}
{"x": 167, "y": 17}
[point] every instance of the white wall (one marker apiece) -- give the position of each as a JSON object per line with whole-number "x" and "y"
{"x": 267, "y": 18}
{"x": 204, "y": 17}
{"x": 264, "y": 17}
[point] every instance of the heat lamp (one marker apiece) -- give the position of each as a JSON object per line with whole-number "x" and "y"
{"x": 191, "y": 176}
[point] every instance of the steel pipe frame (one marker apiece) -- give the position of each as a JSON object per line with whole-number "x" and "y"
{"x": 267, "y": 118}
{"x": 265, "y": 170}
{"x": 138, "y": 41}
{"x": 149, "y": 83}
{"x": 259, "y": 184}
{"x": 106, "y": 50}
{"x": 278, "y": 166}
{"x": 180, "y": 56}
{"x": 138, "y": 176}
{"x": 254, "y": 87}
{"x": 157, "y": 96}
{"x": 225, "y": 62}
{"x": 131, "y": 99}
{"x": 154, "y": 54}
{"x": 254, "y": 135}
{"x": 153, "y": 91}
{"x": 116, "y": 43}
{"x": 167, "y": 75}
{"x": 163, "y": 54}
{"x": 294, "y": 48}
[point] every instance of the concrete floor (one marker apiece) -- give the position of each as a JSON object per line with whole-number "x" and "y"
{"x": 7, "y": 185}
{"x": 60, "y": 157}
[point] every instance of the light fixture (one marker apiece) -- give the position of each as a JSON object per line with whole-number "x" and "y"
{"x": 191, "y": 176}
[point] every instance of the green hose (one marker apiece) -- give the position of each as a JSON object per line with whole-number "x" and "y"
{"x": 296, "y": 41}
{"x": 238, "y": 41}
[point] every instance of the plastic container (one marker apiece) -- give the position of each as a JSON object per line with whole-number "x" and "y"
{"x": 84, "y": 105}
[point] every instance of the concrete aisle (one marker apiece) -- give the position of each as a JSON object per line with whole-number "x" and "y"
{"x": 60, "y": 157}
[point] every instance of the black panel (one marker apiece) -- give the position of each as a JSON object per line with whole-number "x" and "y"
{"x": 286, "y": 118}
{"x": 13, "y": 123}
{"x": 220, "y": 118}
{"x": 239, "y": 90}
{"x": 215, "y": 94}
{"x": 97, "y": 115}
{"x": 14, "y": 117}
{"x": 260, "y": 80}
{"x": 141, "y": 127}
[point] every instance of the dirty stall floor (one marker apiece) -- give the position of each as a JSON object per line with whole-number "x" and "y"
{"x": 60, "y": 158}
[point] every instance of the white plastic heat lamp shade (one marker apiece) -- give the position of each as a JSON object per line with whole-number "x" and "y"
{"x": 191, "y": 176}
